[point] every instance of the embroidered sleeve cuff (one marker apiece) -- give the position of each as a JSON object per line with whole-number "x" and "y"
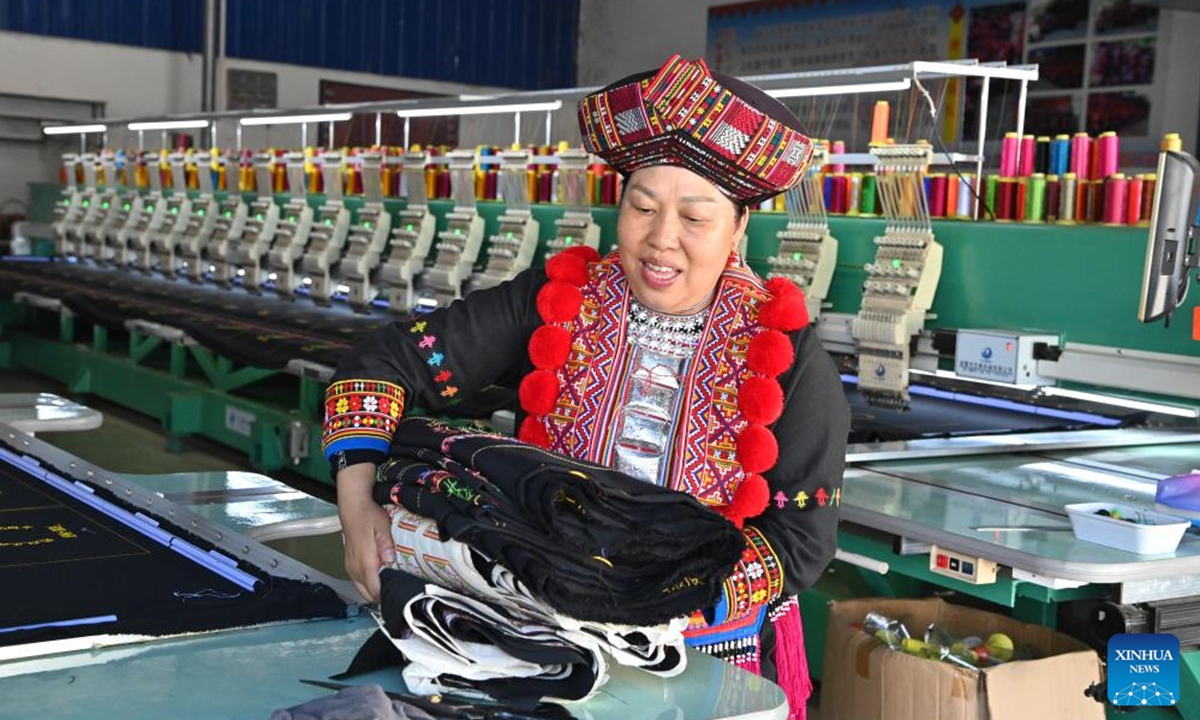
{"x": 757, "y": 579}
{"x": 361, "y": 415}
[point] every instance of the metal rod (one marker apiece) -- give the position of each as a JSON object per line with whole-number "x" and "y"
{"x": 517, "y": 129}
{"x": 164, "y": 139}
{"x": 239, "y": 136}
{"x": 331, "y": 143}
{"x": 549, "y": 119}
{"x": 406, "y": 126}
{"x": 141, "y": 140}
{"x": 378, "y": 129}
{"x": 303, "y": 135}
{"x": 983, "y": 103}
{"x": 1021, "y": 120}
{"x": 82, "y": 143}
{"x": 212, "y": 134}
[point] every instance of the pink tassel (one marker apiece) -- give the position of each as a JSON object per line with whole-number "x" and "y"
{"x": 791, "y": 662}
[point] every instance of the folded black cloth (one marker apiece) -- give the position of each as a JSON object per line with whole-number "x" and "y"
{"x": 592, "y": 543}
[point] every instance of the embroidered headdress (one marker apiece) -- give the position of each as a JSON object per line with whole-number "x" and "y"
{"x": 731, "y": 133}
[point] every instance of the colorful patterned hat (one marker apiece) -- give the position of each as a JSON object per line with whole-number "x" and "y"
{"x": 733, "y": 134}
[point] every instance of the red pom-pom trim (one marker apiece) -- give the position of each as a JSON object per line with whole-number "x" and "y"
{"x": 549, "y": 347}
{"x": 757, "y": 449}
{"x": 568, "y": 268}
{"x": 533, "y": 431}
{"x": 538, "y": 392}
{"x": 784, "y": 312}
{"x": 779, "y": 286}
{"x": 760, "y": 399}
{"x": 588, "y": 253}
{"x": 558, "y": 301}
{"x": 749, "y": 501}
{"x": 770, "y": 353}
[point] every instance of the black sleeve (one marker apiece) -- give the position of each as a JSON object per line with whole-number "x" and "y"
{"x": 800, "y": 522}
{"x": 433, "y": 361}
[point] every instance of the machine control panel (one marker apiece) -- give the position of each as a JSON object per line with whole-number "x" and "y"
{"x": 961, "y": 566}
{"x": 999, "y": 356}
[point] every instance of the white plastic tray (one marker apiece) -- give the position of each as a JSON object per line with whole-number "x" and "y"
{"x": 1153, "y": 533}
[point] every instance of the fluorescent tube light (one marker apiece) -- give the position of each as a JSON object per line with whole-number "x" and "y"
{"x": 168, "y": 125}
{"x": 479, "y": 109}
{"x": 1176, "y": 410}
{"x": 73, "y": 129}
{"x": 850, "y": 89}
{"x": 295, "y": 119}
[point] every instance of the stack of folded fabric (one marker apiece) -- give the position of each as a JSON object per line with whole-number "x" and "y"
{"x": 527, "y": 569}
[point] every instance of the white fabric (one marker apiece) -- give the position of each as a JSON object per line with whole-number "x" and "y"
{"x": 504, "y": 602}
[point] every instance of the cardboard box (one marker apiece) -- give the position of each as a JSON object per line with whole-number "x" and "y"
{"x": 865, "y": 680}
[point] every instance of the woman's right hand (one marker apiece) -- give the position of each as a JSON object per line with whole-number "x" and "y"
{"x": 366, "y": 528}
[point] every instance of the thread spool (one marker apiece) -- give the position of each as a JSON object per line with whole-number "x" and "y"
{"x": 937, "y": 195}
{"x": 1053, "y": 197}
{"x": 989, "y": 193}
{"x": 1008, "y": 155}
{"x": 1041, "y": 155}
{"x": 837, "y": 201}
{"x": 1066, "y": 207}
{"x": 1060, "y": 155}
{"x": 1095, "y": 201}
{"x": 1116, "y": 188}
{"x": 1006, "y": 199}
{"x": 1081, "y": 156}
{"x": 1133, "y": 200}
{"x": 870, "y": 196}
{"x": 1035, "y": 199}
{"x": 854, "y": 194}
{"x": 1022, "y": 198}
{"x": 951, "y": 196}
{"x": 879, "y": 122}
{"x": 838, "y": 148}
{"x": 1171, "y": 142}
{"x": 966, "y": 195}
{"x": 1109, "y": 154}
{"x": 1028, "y": 151}
{"x": 1149, "y": 183}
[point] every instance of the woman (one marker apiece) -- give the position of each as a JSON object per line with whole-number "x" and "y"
{"x": 669, "y": 359}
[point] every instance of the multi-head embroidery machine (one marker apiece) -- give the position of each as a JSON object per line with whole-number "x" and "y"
{"x": 576, "y": 226}
{"x": 246, "y": 250}
{"x": 510, "y": 251}
{"x": 411, "y": 239}
{"x": 327, "y": 238}
{"x": 293, "y": 232}
{"x": 368, "y": 236}
{"x": 110, "y": 215}
{"x": 200, "y": 223}
{"x": 458, "y": 245}
{"x": 69, "y": 209}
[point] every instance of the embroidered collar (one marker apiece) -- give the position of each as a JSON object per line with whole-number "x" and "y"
{"x": 736, "y": 447}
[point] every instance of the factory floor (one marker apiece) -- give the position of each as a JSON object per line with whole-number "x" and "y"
{"x": 129, "y": 442}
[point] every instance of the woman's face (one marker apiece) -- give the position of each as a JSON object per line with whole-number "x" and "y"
{"x": 675, "y": 232}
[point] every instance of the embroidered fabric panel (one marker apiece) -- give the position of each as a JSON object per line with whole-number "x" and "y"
{"x": 707, "y": 466}
{"x": 756, "y": 579}
{"x": 361, "y": 414}
{"x": 582, "y": 423}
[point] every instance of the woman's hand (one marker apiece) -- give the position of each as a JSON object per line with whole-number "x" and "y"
{"x": 366, "y": 528}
